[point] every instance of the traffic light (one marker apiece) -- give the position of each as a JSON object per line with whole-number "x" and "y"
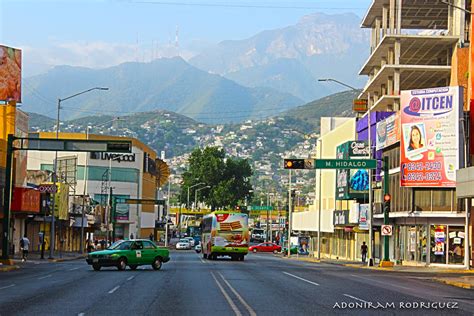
{"x": 386, "y": 203}
{"x": 294, "y": 164}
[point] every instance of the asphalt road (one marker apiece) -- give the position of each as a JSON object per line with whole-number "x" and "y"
{"x": 261, "y": 285}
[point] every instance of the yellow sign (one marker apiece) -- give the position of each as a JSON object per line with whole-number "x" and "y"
{"x": 61, "y": 201}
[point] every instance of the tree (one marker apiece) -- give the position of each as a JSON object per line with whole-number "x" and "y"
{"x": 228, "y": 178}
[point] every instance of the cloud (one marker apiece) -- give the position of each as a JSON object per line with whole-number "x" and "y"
{"x": 96, "y": 54}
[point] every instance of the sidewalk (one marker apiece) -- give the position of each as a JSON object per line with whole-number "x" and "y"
{"x": 461, "y": 277}
{"x": 36, "y": 256}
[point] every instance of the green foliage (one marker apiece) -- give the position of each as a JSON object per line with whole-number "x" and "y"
{"x": 228, "y": 178}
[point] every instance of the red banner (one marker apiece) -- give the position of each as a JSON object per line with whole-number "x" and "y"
{"x": 26, "y": 200}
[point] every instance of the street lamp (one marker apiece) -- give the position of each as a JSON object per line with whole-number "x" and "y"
{"x": 338, "y": 82}
{"x": 187, "y": 204}
{"x": 196, "y": 193}
{"x": 85, "y": 179}
{"x": 55, "y": 165}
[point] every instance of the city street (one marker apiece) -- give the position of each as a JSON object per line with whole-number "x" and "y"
{"x": 187, "y": 285}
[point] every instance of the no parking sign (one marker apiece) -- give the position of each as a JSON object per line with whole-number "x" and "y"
{"x": 386, "y": 230}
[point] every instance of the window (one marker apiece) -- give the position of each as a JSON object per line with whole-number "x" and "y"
{"x": 148, "y": 245}
{"x": 137, "y": 245}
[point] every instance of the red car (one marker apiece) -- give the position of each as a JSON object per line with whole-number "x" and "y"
{"x": 265, "y": 247}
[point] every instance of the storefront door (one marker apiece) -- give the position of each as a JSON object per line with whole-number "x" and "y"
{"x": 447, "y": 244}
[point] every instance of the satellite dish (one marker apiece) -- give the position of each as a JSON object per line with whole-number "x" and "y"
{"x": 163, "y": 173}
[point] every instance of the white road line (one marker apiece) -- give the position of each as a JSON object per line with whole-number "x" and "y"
{"x": 44, "y": 277}
{"x": 227, "y": 297}
{"x": 73, "y": 269}
{"x": 355, "y": 298}
{"x": 130, "y": 278}
{"x": 80, "y": 314}
{"x": 247, "y": 306}
{"x": 384, "y": 283}
{"x": 114, "y": 289}
{"x": 6, "y": 287}
{"x": 295, "y": 276}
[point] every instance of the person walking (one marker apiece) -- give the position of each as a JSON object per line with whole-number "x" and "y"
{"x": 151, "y": 236}
{"x": 131, "y": 236}
{"x": 363, "y": 251}
{"x": 24, "y": 246}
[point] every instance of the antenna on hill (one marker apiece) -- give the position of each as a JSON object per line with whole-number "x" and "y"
{"x": 176, "y": 40}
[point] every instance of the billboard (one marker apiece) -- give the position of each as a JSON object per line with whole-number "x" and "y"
{"x": 61, "y": 201}
{"x": 25, "y": 200}
{"x": 388, "y": 131}
{"x": 352, "y": 183}
{"x": 21, "y": 156}
{"x": 10, "y": 74}
{"x": 430, "y": 143}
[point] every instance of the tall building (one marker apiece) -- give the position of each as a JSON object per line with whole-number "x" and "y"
{"x": 417, "y": 45}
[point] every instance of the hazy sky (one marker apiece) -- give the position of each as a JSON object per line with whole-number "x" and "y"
{"x": 98, "y": 33}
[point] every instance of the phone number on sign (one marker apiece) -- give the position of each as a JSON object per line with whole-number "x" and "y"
{"x": 420, "y": 176}
{"x": 419, "y": 166}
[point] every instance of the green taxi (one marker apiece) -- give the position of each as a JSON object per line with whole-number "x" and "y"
{"x": 132, "y": 253}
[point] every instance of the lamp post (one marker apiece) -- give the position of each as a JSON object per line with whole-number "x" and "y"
{"x": 187, "y": 204}
{"x": 85, "y": 181}
{"x": 196, "y": 193}
{"x": 55, "y": 166}
{"x": 338, "y": 82}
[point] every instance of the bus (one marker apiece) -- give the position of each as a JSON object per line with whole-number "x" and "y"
{"x": 225, "y": 233}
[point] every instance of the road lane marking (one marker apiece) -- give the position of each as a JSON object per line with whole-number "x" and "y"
{"x": 130, "y": 278}
{"x": 227, "y": 297}
{"x": 355, "y": 298}
{"x": 73, "y": 269}
{"x": 295, "y": 276}
{"x": 80, "y": 314}
{"x": 114, "y": 289}
{"x": 44, "y": 277}
{"x": 6, "y": 287}
{"x": 384, "y": 283}
{"x": 247, "y": 306}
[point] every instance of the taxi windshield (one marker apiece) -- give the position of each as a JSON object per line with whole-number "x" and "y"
{"x": 120, "y": 245}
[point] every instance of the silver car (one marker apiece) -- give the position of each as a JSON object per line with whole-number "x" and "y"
{"x": 183, "y": 244}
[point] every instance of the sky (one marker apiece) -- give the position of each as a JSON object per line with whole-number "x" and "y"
{"x": 102, "y": 33}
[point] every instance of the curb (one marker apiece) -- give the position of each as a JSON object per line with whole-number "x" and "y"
{"x": 454, "y": 283}
{"x": 66, "y": 259}
{"x": 9, "y": 268}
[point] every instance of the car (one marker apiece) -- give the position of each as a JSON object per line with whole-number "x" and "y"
{"x": 265, "y": 247}
{"x": 183, "y": 244}
{"x": 132, "y": 253}
{"x": 191, "y": 241}
{"x": 198, "y": 248}
{"x": 293, "y": 250}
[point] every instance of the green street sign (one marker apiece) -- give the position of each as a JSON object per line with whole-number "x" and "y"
{"x": 345, "y": 163}
{"x": 261, "y": 208}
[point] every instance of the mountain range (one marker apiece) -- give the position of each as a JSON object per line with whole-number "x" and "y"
{"x": 253, "y": 78}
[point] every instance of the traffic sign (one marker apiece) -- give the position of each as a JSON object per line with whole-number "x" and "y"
{"x": 345, "y": 163}
{"x": 386, "y": 230}
{"x": 48, "y": 188}
{"x": 261, "y": 208}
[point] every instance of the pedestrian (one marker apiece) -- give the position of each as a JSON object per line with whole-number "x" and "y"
{"x": 24, "y": 246}
{"x": 363, "y": 250}
{"x": 131, "y": 236}
{"x": 102, "y": 243}
{"x": 96, "y": 244}
{"x": 151, "y": 236}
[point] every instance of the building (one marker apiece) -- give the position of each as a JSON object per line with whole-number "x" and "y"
{"x": 415, "y": 45}
{"x": 93, "y": 178}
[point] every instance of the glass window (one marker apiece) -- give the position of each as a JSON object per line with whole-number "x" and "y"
{"x": 121, "y": 245}
{"x": 456, "y": 245}
{"x": 438, "y": 244}
{"x": 148, "y": 245}
{"x": 137, "y": 245}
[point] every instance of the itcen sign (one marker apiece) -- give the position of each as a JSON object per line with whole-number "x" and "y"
{"x": 430, "y": 145}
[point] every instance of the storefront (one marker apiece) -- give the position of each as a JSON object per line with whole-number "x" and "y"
{"x": 430, "y": 241}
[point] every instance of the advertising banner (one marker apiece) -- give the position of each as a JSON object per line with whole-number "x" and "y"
{"x": 26, "y": 200}
{"x": 388, "y": 131}
{"x": 430, "y": 143}
{"x": 363, "y": 214}
{"x": 10, "y": 74}
{"x": 61, "y": 201}
{"x": 352, "y": 183}
{"x": 232, "y": 230}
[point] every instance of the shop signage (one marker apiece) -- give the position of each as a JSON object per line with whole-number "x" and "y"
{"x": 386, "y": 230}
{"x": 113, "y": 156}
{"x": 360, "y": 105}
{"x": 341, "y": 218}
{"x": 430, "y": 145}
{"x": 352, "y": 182}
{"x": 25, "y": 200}
{"x": 48, "y": 188}
{"x": 388, "y": 131}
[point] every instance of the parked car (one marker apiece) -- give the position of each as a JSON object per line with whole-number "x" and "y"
{"x": 265, "y": 247}
{"x": 198, "y": 248}
{"x": 293, "y": 250}
{"x": 191, "y": 241}
{"x": 183, "y": 244}
{"x": 132, "y": 253}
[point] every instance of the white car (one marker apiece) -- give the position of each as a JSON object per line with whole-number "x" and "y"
{"x": 198, "y": 248}
{"x": 183, "y": 244}
{"x": 191, "y": 241}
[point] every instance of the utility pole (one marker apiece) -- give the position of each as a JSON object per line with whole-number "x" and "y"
{"x": 289, "y": 212}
